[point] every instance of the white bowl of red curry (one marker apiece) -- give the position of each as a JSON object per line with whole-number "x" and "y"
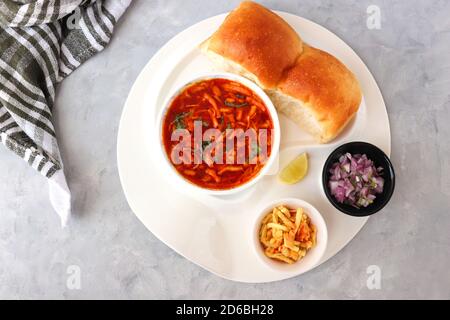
{"x": 219, "y": 134}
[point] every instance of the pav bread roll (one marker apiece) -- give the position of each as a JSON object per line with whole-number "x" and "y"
{"x": 319, "y": 94}
{"x": 310, "y": 86}
{"x": 255, "y": 42}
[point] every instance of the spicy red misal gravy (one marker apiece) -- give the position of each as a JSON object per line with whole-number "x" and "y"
{"x": 224, "y": 105}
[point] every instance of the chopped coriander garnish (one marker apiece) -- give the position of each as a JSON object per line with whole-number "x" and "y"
{"x": 255, "y": 150}
{"x": 179, "y": 120}
{"x": 205, "y": 144}
{"x": 235, "y": 105}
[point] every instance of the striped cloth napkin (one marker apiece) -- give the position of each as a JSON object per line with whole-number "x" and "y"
{"x": 41, "y": 43}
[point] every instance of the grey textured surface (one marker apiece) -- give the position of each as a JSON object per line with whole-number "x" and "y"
{"x": 119, "y": 258}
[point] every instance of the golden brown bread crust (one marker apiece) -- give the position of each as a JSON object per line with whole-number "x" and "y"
{"x": 326, "y": 87}
{"x": 310, "y": 86}
{"x": 258, "y": 40}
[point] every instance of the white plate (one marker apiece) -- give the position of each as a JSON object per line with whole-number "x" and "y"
{"x": 216, "y": 233}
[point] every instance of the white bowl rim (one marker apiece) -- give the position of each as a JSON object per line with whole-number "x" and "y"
{"x": 276, "y": 143}
{"x": 313, "y": 257}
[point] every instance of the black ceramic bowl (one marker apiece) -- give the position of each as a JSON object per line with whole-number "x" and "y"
{"x": 380, "y": 159}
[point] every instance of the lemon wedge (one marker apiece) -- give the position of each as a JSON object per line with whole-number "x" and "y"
{"x": 295, "y": 170}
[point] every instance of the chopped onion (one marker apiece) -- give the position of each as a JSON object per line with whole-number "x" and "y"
{"x": 355, "y": 180}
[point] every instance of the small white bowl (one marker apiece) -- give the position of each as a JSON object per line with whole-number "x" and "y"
{"x": 190, "y": 187}
{"x": 312, "y": 257}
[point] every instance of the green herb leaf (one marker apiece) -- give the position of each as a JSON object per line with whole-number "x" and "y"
{"x": 205, "y": 144}
{"x": 235, "y": 105}
{"x": 255, "y": 150}
{"x": 179, "y": 120}
{"x": 179, "y": 124}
